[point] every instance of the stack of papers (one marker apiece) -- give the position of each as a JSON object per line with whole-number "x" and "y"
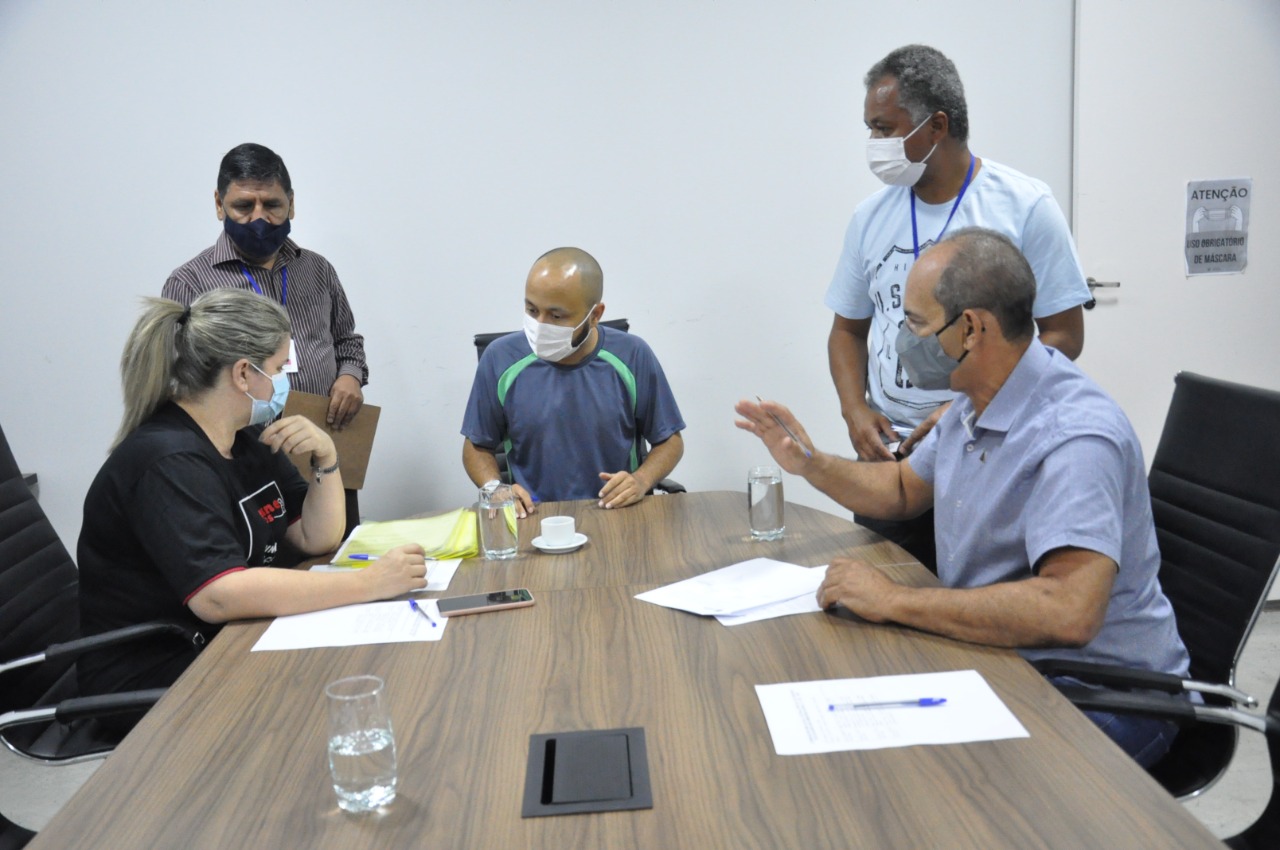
{"x": 745, "y": 592}
{"x": 451, "y": 535}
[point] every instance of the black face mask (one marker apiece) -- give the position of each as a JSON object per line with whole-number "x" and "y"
{"x": 258, "y": 239}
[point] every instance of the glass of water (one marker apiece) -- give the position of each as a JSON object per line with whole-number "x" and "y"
{"x": 496, "y": 510}
{"x": 362, "y": 747}
{"x": 764, "y": 502}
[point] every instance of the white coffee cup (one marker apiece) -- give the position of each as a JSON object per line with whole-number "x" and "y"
{"x": 557, "y": 531}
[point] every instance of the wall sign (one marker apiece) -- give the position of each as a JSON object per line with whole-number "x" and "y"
{"x": 1218, "y": 226}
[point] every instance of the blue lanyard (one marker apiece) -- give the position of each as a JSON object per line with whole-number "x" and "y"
{"x": 284, "y": 283}
{"x": 915, "y": 240}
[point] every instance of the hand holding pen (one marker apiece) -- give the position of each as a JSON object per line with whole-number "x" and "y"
{"x": 766, "y": 420}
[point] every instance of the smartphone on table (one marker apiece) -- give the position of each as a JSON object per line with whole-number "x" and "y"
{"x": 456, "y": 606}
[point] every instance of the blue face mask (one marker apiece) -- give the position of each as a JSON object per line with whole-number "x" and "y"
{"x": 264, "y": 411}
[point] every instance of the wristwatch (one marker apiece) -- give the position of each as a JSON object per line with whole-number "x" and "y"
{"x": 328, "y": 470}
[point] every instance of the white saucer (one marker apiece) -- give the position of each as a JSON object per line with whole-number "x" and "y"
{"x": 578, "y": 540}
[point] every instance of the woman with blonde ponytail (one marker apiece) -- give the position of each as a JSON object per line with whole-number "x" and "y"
{"x": 199, "y": 495}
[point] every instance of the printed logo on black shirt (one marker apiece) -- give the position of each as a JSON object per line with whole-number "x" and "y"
{"x": 264, "y": 514}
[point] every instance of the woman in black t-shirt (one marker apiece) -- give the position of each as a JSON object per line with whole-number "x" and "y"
{"x": 198, "y": 495}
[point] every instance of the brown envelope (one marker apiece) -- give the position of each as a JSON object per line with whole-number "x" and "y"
{"x": 353, "y": 442}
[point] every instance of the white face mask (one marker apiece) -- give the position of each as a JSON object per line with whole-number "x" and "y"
{"x": 888, "y": 159}
{"x": 553, "y": 342}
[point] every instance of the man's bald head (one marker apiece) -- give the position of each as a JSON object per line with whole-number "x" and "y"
{"x": 571, "y": 265}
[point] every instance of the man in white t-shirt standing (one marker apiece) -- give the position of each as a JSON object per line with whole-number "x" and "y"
{"x": 919, "y": 146}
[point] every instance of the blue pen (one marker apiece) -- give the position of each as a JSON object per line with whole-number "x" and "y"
{"x": 363, "y": 557}
{"x": 925, "y": 702}
{"x": 422, "y": 609}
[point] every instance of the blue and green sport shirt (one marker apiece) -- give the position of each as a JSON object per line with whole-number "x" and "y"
{"x": 561, "y": 426}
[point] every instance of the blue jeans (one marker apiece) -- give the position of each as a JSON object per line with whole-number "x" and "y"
{"x": 1145, "y": 739}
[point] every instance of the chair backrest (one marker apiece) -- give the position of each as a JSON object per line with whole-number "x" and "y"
{"x": 38, "y": 588}
{"x": 1215, "y": 495}
{"x": 483, "y": 340}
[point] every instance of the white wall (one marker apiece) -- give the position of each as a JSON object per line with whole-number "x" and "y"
{"x": 708, "y": 153}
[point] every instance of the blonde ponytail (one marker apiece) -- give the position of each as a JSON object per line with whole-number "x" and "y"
{"x": 177, "y": 352}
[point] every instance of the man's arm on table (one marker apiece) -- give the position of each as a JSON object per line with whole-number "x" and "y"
{"x": 1063, "y": 604}
{"x": 847, "y": 357}
{"x": 482, "y": 467}
{"x": 626, "y": 488}
{"x": 881, "y": 490}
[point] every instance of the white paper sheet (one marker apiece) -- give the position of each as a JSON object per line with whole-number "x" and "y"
{"x": 439, "y": 573}
{"x": 354, "y": 625}
{"x": 738, "y": 588}
{"x": 801, "y": 720}
{"x": 807, "y": 604}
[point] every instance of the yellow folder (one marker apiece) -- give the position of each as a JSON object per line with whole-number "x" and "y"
{"x": 451, "y": 535}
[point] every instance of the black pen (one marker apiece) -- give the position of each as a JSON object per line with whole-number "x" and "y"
{"x": 783, "y": 426}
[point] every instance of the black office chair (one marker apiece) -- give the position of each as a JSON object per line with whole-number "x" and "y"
{"x": 1215, "y": 495}
{"x": 1263, "y": 833}
{"x": 42, "y": 718}
{"x": 666, "y": 485}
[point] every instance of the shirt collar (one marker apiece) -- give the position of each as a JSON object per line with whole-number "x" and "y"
{"x": 1016, "y": 392}
{"x": 225, "y": 252}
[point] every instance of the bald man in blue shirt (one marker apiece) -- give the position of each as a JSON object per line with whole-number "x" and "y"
{"x": 1042, "y": 515}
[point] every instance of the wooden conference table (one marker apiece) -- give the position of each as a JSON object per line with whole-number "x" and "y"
{"x": 235, "y": 756}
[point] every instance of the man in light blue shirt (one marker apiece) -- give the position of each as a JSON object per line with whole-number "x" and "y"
{"x": 918, "y": 124}
{"x": 1042, "y": 514}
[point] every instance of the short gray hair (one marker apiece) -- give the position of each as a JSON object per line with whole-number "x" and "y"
{"x": 927, "y": 83}
{"x": 177, "y": 353}
{"x": 988, "y": 272}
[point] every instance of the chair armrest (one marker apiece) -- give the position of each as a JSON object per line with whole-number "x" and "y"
{"x": 1160, "y": 706}
{"x": 666, "y": 485}
{"x": 75, "y": 648}
{"x": 78, "y": 708}
{"x": 1111, "y": 675}
{"x": 105, "y": 704}
{"x": 1163, "y": 707}
{"x": 1125, "y": 677}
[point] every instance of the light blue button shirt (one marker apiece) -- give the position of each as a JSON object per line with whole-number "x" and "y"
{"x": 1051, "y": 462}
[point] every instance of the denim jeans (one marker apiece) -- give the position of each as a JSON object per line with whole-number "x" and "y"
{"x": 1145, "y": 739}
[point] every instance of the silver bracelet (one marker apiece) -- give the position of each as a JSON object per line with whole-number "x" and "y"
{"x": 328, "y": 470}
